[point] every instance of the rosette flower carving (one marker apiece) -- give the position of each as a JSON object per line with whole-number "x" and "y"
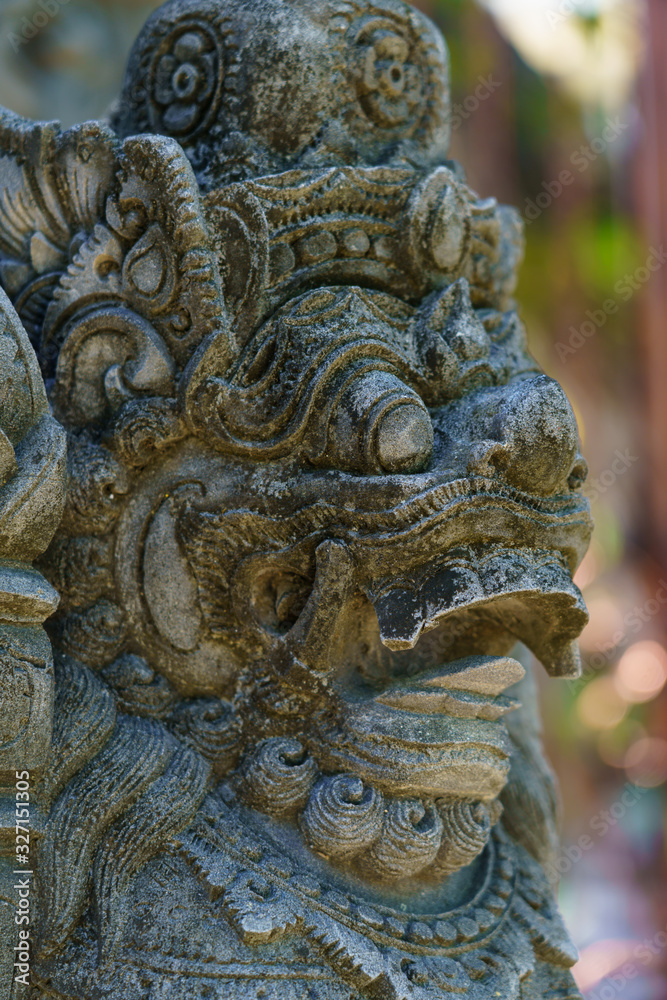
{"x": 186, "y": 75}
{"x": 389, "y": 84}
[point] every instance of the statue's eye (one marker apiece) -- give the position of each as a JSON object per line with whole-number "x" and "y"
{"x": 379, "y": 425}
{"x": 385, "y": 64}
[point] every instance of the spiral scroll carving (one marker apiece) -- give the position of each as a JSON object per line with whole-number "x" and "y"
{"x": 343, "y": 816}
{"x": 410, "y": 841}
{"x": 212, "y": 728}
{"x": 466, "y": 830}
{"x": 279, "y": 776}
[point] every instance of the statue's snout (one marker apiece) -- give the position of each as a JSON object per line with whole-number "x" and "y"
{"x": 532, "y": 441}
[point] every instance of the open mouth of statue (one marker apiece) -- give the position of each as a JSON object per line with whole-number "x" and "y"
{"x": 389, "y": 611}
{"x": 424, "y": 705}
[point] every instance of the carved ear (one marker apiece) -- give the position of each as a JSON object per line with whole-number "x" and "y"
{"x": 110, "y": 355}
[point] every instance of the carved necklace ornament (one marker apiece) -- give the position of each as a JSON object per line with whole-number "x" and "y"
{"x": 316, "y": 491}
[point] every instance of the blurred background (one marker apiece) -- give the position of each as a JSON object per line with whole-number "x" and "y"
{"x": 560, "y": 108}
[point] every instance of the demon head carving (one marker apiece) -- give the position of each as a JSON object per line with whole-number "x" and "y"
{"x": 318, "y": 491}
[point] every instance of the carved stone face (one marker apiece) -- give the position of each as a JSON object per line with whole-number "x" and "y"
{"x": 318, "y": 491}
{"x": 364, "y": 560}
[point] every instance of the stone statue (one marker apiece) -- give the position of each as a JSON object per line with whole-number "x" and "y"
{"x": 316, "y": 491}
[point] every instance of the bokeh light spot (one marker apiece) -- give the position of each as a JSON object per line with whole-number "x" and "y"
{"x": 607, "y": 626}
{"x": 600, "y": 706}
{"x": 642, "y": 672}
{"x": 599, "y": 960}
{"x": 613, "y": 744}
{"x": 646, "y": 762}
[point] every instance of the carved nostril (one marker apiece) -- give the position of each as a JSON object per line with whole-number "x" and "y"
{"x": 578, "y": 474}
{"x": 539, "y": 432}
{"x": 405, "y": 440}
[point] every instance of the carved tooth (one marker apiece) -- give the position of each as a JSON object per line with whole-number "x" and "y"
{"x": 553, "y": 577}
{"x": 453, "y": 585}
{"x": 532, "y": 594}
{"x": 481, "y": 680}
{"x": 310, "y": 638}
{"x": 562, "y": 660}
{"x": 502, "y": 705}
{"x": 401, "y": 618}
{"x": 552, "y": 612}
{"x": 550, "y": 572}
{"x": 550, "y": 628}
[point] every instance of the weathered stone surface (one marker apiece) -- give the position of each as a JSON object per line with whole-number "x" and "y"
{"x": 32, "y": 490}
{"x": 317, "y": 491}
